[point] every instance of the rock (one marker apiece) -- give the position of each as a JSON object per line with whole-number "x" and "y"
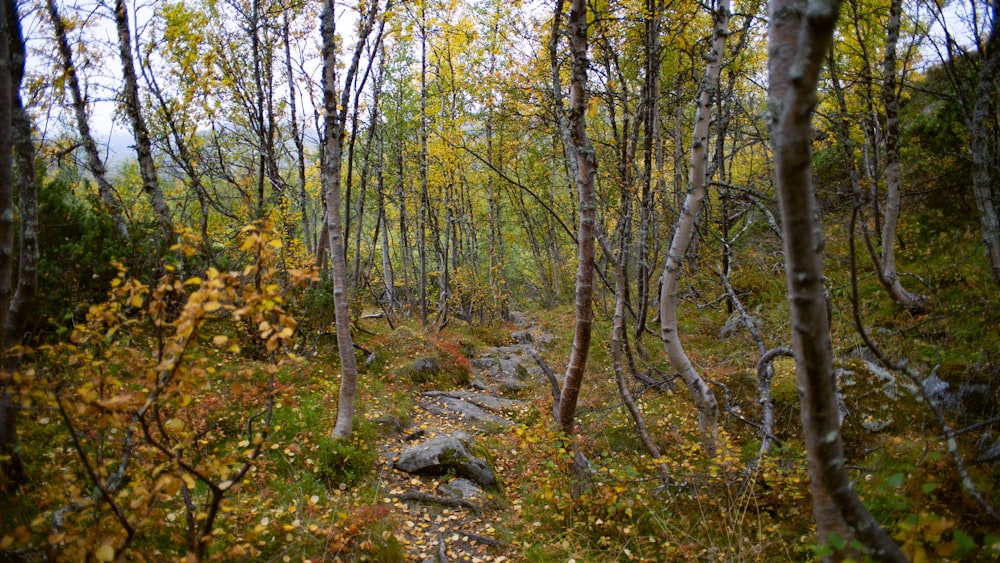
{"x": 468, "y": 410}
{"x": 485, "y": 362}
{"x": 735, "y": 323}
{"x": 447, "y": 454}
{"x": 392, "y": 422}
{"x": 478, "y": 384}
{"x": 522, "y": 337}
{"x": 422, "y": 370}
{"x": 511, "y": 369}
{"x": 461, "y": 488}
{"x": 485, "y": 401}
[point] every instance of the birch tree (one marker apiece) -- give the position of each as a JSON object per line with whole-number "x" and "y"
{"x": 585, "y": 156}
{"x": 94, "y": 162}
{"x": 335, "y": 124}
{"x": 140, "y": 132}
{"x": 799, "y": 35}
{"x": 704, "y": 399}
{"x": 984, "y": 149}
{"x": 893, "y": 176}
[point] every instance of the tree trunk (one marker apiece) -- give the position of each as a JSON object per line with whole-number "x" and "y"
{"x": 365, "y": 168}
{"x": 423, "y": 211}
{"x": 94, "y": 162}
{"x": 336, "y": 121}
{"x": 704, "y": 399}
{"x": 15, "y": 141}
{"x": 984, "y": 153}
{"x": 23, "y": 301}
{"x": 650, "y": 122}
{"x": 617, "y": 339}
{"x": 893, "y": 181}
{"x": 143, "y": 145}
{"x": 300, "y": 153}
{"x": 798, "y": 42}
{"x": 586, "y": 167}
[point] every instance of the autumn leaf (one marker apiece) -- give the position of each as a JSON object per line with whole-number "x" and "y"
{"x": 105, "y": 553}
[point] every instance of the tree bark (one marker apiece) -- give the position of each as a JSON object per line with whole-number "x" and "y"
{"x": 423, "y": 210}
{"x": 701, "y": 395}
{"x": 94, "y": 162}
{"x": 798, "y": 42}
{"x": 336, "y": 121}
{"x": 651, "y": 131}
{"x": 984, "y": 153}
{"x": 143, "y": 145}
{"x": 586, "y": 167}
{"x": 893, "y": 180}
{"x": 15, "y": 139}
{"x": 23, "y": 301}
{"x": 300, "y": 153}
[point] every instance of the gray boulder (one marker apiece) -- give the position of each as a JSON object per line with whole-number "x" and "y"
{"x": 461, "y": 488}
{"x": 447, "y": 454}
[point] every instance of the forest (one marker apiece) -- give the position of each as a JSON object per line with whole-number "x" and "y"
{"x": 443, "y": 280}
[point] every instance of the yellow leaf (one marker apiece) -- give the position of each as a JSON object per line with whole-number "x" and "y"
{"x": 174, "y": 424}
{"x": 220, "y": 340}
{"x": 135, "y": 301}
{"x": 114, "y": 403}
{"x": 105, "y": 553}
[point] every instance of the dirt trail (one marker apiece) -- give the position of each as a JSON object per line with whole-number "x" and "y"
{"x": 445, "y": 514}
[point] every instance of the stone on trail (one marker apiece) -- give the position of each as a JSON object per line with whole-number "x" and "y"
{"x": 467, "y": 410}
{"x": 447, "y": 454}
{"x": 461, "y": 488}
{"x": 491, "y": 402}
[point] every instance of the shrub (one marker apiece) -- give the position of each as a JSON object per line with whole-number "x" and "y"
{"x": 345, "y": 462}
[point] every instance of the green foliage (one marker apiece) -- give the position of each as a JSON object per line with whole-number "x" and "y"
{"x": 315, "y": 306}
{"x": 343, "y": 463}
{"x": 77, "y": 246}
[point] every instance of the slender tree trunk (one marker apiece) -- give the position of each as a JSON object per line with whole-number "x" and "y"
{"x": 617, "y": 339}
{"x": 94, "y": 162}
{"x": 984, "y": 152}
{"x": 586, "y": 167}
{"x": 387, "y": 274}
{"x": 704, "y": 399}
{"x": 300, "y": 153}
{"x": 143, "y": 145}
{"x": 650, "y": 122}
{"x": 365, "y": 168}
{"x": 405, "y": 252}
{"x": 15, "y": 143}
{"x": 23, "y": 301}
{"x": 893, "y": 179}
{"x": 799, "y": 40}
{"x": 336, "y": 121}
{"x": 423, "y": 212}
{"x": 6, "y": 211}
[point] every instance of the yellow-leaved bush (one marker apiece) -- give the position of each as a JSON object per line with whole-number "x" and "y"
{"x": 153, "y": 438}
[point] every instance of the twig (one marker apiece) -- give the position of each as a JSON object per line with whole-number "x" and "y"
{"x": 556, "y": 393}
{"x": 485, "y": 540}
{"x": 455, "y": 502}
{"x": 442, "y": 554}
{"x": 972, "y": 427}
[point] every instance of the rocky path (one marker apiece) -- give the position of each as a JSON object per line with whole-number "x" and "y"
{"x": 444, "y": 474}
